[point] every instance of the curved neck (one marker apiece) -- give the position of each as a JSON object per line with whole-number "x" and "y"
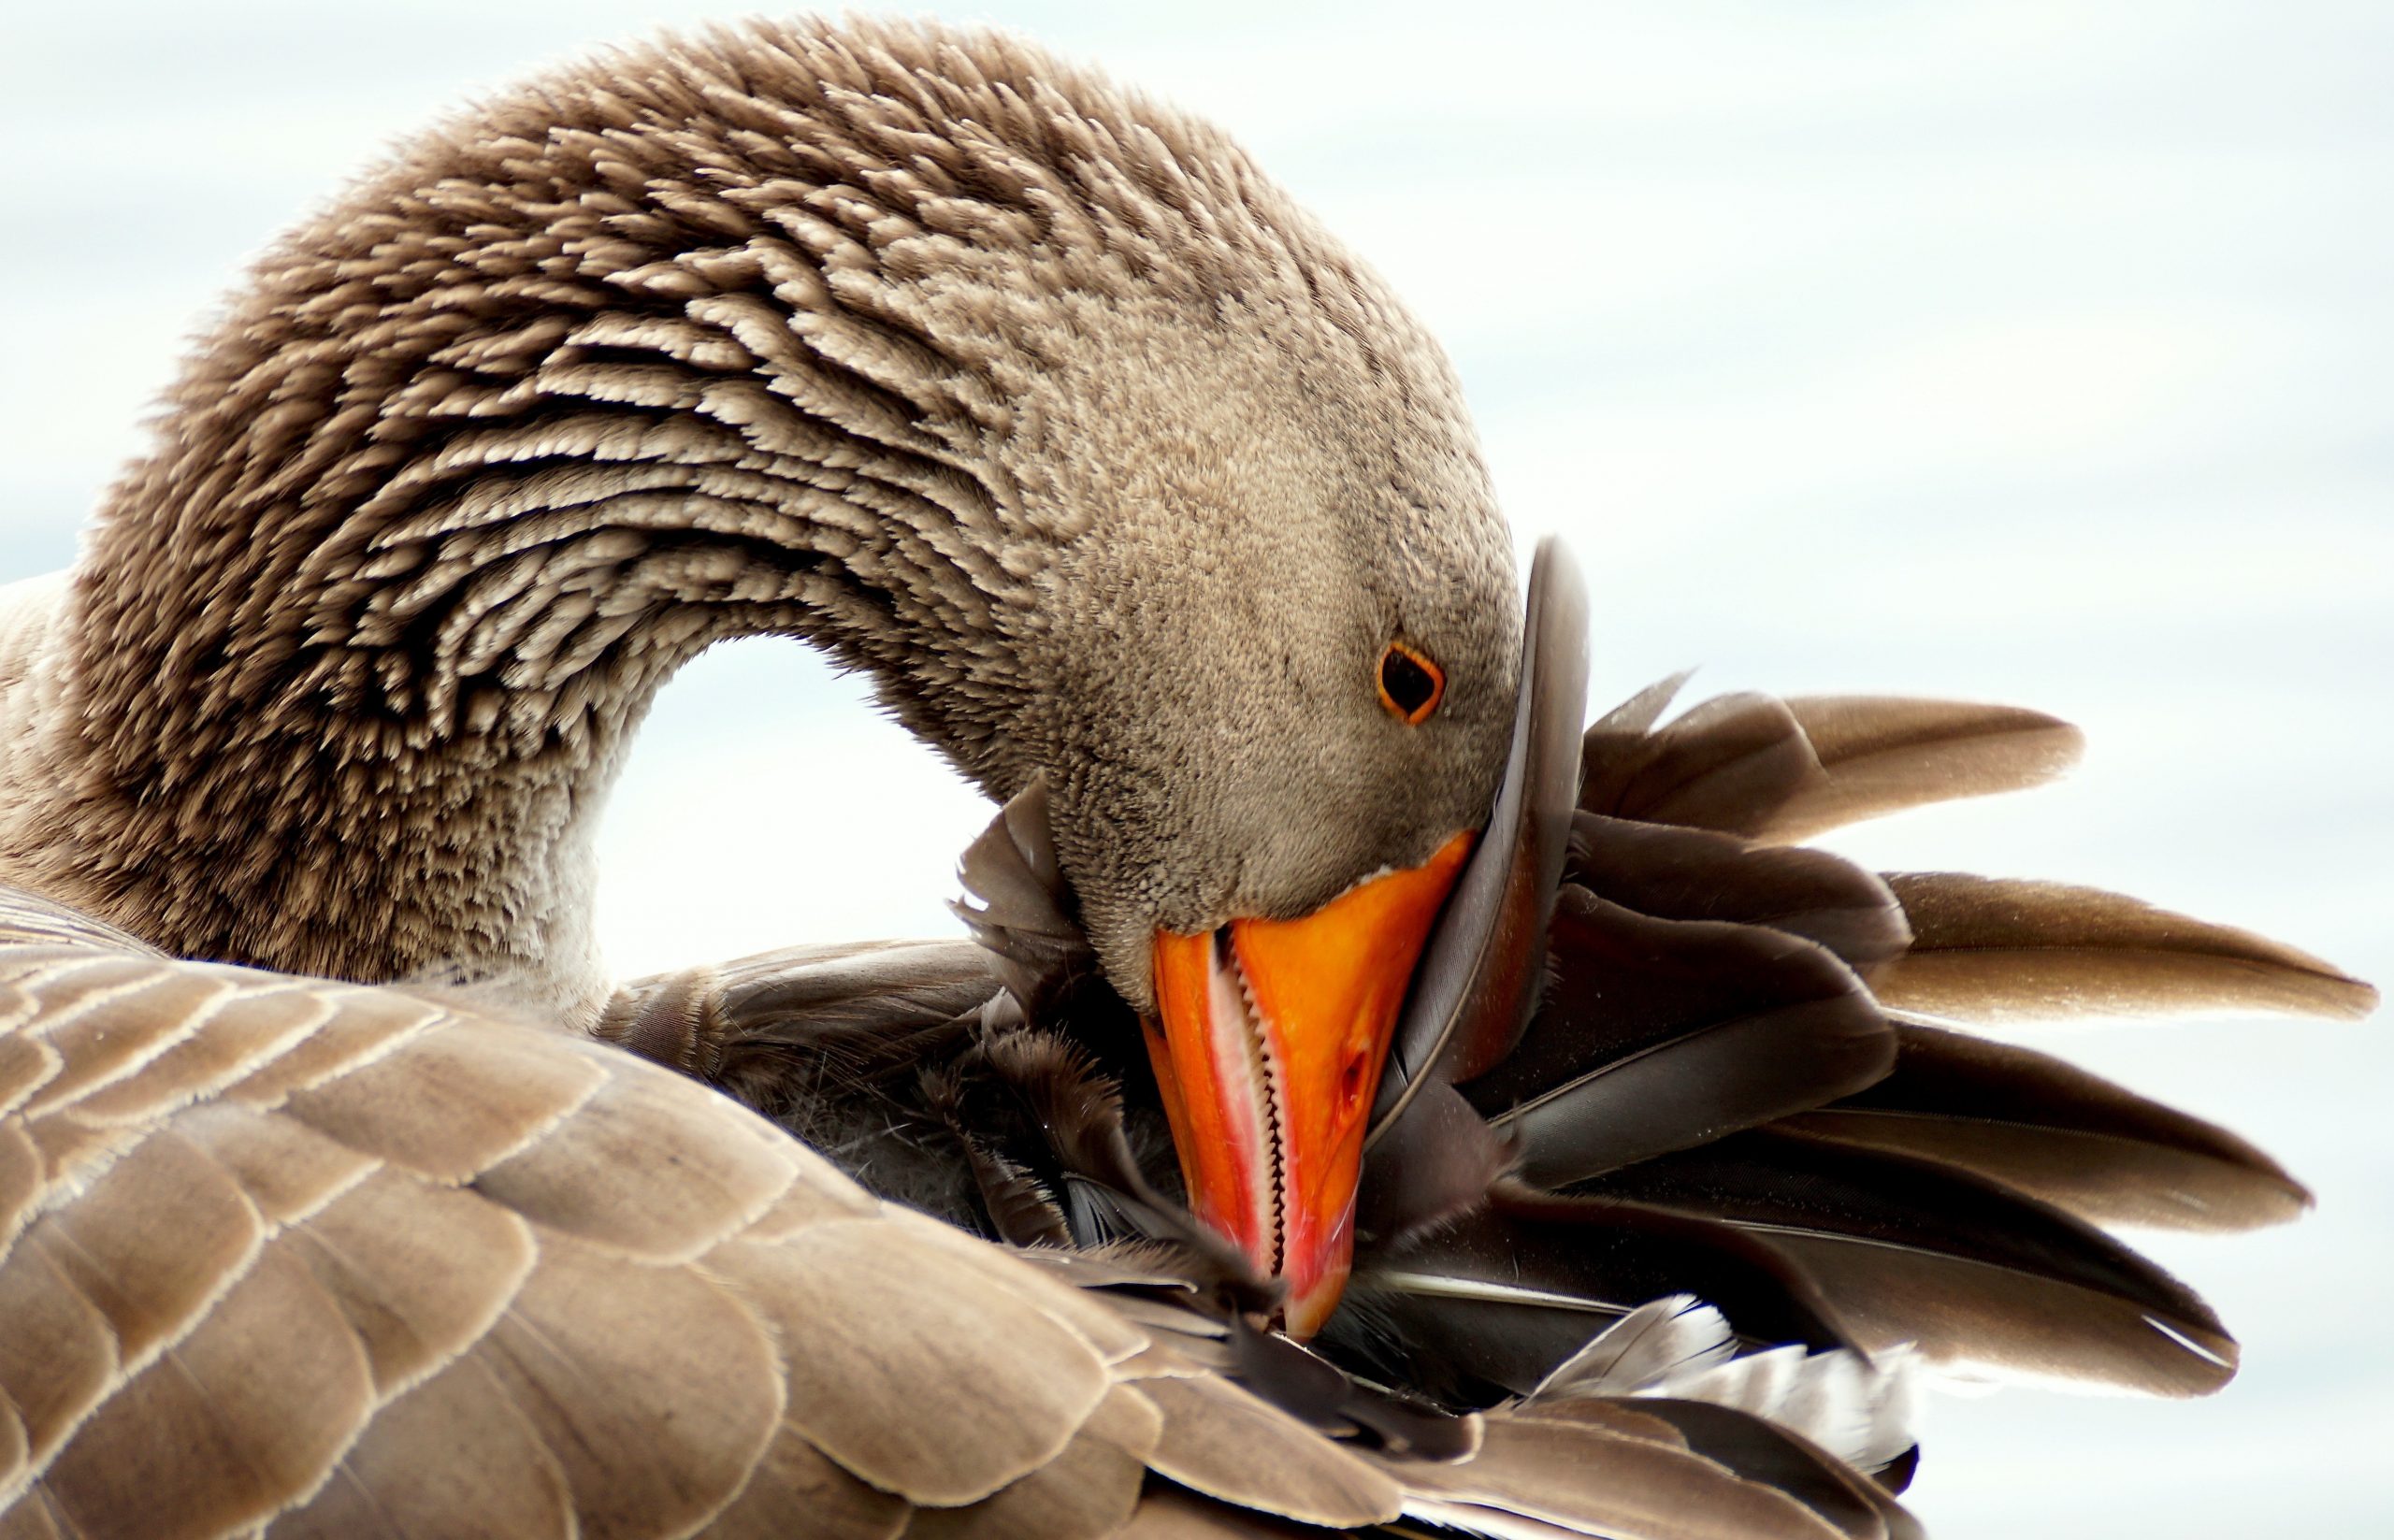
{"x": 1036, "y": 402}
{"x": 355, "y": 656}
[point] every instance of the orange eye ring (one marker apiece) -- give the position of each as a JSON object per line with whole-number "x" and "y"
{"x": 1410, "y": 685}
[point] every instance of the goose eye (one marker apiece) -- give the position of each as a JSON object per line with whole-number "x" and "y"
{"x": 1410, "y": 684}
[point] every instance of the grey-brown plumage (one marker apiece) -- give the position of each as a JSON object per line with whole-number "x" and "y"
{"x": 304, "y": 1257}
{"x": 1833, "y": 1163}
{"x": 1034, "y": 400}
{"x": 1041, "y": 405}
{"x": 1710, "y": 1091}
{"x": 1985, "y": 949}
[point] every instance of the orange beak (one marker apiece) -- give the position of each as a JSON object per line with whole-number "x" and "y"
{"x": 1269, "y": 1053}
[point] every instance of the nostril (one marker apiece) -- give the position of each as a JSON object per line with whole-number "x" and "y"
{"x": 1351, "y": 1081}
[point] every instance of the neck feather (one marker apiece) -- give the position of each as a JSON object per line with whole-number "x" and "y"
{"x": 355, "y": 655}
{"x": 852, "y": 334}
{"x": 368, "y": 735}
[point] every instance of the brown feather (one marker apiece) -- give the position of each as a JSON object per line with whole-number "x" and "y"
{"x": 1618, "y": 731}
{"x": 1588, "y": 1480}
{"x": 868, "y": 1327}
{"x": 1783, "y": 770}
{"x": 985, "y": 1270}
{"x": 1087, "y": 1492}
{"x": 1476, "y": 984}
{"x": 1664, "y": 1033}
{"x": 222, "y": 1432}
{"x": 1613, "y": 1415}
{"x": 57, "y": 1359}
{"x": 1175, "y": 1512}
{"x": 1020, "y": 910}
{"x": 105, "y": 1246}
{"x": 350, "y": 1028}
{"x": 448, "y": 1104}
{"x": 1224, "y": 1443}
{"x": 1914, "y": 1251}
{"x": 1695, "y": 874}
{"x": 654, "y": 1429}
{"x": 794, "y": 1477}
{"x": 2045, "y": 1128}
{"x": 1761, "y": 1451}
{"x": 1882, "y": 754}
{"x": 27, "y": 1064}
{"x": 420, "y": 1270}
{"x": 1435, "y": 1163}
{"x": 1490, "y": 1305}
{"x": 1728, "y": 764}
{"x": 1021, "y": 1212}
{"x": 110, "y": 1015}
{"x": 1995, "y": 949}
{"x": 267, "y": 1021}
{"x": 606, "y": 1186}
{"x": 498, "y": 1481}
{"x": 782, "y": 1028}
{"x": 1968, "y": 1314}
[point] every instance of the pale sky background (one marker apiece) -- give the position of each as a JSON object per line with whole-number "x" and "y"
{"x": 2012, "y": 349}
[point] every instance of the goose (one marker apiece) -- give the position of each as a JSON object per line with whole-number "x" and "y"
{"x": 1137, "y": 497}
{"x": 326, "y": 1214}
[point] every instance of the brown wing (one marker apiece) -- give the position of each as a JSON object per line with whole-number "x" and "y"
{"x": 1999, "y": 949}
{"x": 1722, "y": 1087}
{"x": 285, "y": 1257}
{"x": 759, "y": 1026}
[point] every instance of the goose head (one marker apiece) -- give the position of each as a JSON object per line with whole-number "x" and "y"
{"x": 1282, "y": 681}
{"x": 1035, "y": 401}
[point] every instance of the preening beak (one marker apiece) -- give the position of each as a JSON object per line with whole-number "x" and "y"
{"x": 1272, "y": 1036}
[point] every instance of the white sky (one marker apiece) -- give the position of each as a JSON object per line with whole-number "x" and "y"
{"x": 2024, "y": 351}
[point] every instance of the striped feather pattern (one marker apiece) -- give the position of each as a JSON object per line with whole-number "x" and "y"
{"x": 288, "y": 1258}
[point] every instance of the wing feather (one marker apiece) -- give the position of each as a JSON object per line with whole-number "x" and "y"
{"x": 1658, "y": 1034}
{"x": 1577, "y": 1477}
{"x": 220, "y": 1433}
{"x": 1477, "y": 983}
{"x": 1913, "y": 1251}
{"x": 1726, "y": 764}
{"x": 793, "y": 1477}
{"x": 2045, "y": 1128}
{"x": 1087, "y": 1492}
{"x": 1882, "y": 754}
{"x": 1227, "y": 1444}
{"x": 1996, "y": 949}
{"x": 498, "y": 1479}
{"x": 496, "y": 1228}
{"x": 1674, "y": 873}
{"x": 1761, "y": 1449}
{"x": 327, "y": 1278}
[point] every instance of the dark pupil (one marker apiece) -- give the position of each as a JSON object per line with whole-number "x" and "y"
{"x": 1407, "y": 683}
